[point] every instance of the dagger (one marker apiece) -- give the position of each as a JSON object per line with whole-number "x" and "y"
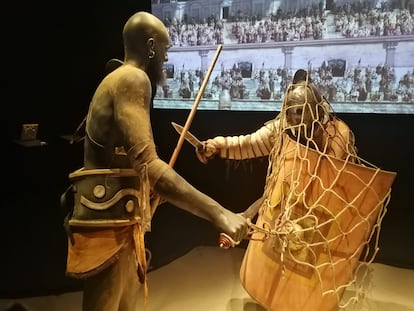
{"x": 188, "y": 136}
{"x": 192, "y": 140}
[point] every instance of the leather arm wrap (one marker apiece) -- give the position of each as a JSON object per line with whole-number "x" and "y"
{"x": 144, "y": 155}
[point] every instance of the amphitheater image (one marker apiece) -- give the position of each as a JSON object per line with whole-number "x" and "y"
{"x": 360, "y": 54}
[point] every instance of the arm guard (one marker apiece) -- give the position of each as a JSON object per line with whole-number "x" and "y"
{"x": 242, "y": 147}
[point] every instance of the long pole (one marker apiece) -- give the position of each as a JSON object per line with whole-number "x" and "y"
{"x": 194, "y": 108}
{"x": 157, "y": 200}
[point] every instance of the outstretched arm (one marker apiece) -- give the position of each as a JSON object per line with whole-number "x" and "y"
{"x": 242, "y": 147}
{"x": 132, "y": 114}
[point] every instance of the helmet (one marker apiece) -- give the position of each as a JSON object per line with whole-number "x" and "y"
{"x": 303, "y": 103}
{"x": 304, "y": 109}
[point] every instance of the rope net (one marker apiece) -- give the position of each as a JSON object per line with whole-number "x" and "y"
{"x": 320, "y": 220}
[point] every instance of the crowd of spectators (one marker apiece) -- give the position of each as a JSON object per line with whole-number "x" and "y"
{"x": 358, "y": 84}
{"x": 188, "y": 32}
{"x": 365, "y": 83}
{"x": 305, "y": 24}
{"x": 359, "y": 19}
{"x": 349, "y": 20}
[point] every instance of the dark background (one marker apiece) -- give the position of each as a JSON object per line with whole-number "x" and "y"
{"x": 53, "y": 58}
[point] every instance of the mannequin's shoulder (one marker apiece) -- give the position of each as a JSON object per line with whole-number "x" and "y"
{"x": 341, "y": 126}
{"x": 126, "y": 74}
{"x": 273, "y": 122}
{"x": 339, "y": 122}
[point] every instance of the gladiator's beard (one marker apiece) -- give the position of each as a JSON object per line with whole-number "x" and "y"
{"x": 155, "y": 73}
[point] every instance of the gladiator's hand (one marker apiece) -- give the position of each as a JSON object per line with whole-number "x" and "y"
{"x": 226, "y": 241}
{"x": 207, "y": 151}
{"x": 236, "y": 230}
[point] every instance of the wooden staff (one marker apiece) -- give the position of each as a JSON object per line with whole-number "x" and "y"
{"x": 156, "y": 201}
{"x": 194, "y": 108}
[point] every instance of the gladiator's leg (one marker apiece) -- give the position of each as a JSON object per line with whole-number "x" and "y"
{"x": 109, "y": 290}
{"x": 131, "y": 293}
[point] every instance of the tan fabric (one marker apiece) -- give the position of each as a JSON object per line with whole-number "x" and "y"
{"x": 94, "y": 249}
{"x": 139, "y": 244}
{"x": 319, "y": 217}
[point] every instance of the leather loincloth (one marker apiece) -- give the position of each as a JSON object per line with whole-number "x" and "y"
{"x": 94, "y": 249}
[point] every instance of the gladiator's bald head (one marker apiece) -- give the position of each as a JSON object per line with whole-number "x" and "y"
{"x": 146, "y": 41}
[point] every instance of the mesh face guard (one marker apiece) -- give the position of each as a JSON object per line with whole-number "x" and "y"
{"x": 304, "y": 110}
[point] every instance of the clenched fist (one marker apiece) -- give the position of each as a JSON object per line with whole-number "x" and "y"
{"x": 210, "y": 148}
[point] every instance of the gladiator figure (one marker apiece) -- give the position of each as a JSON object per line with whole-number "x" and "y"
{"x": 121, "y": 175}
{"x": 320, "y": 207}
{"x": 305, "y": 116}
{"x": 304, "y": 107}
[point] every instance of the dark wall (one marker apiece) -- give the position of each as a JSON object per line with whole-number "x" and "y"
{"x": 52, "y": 67}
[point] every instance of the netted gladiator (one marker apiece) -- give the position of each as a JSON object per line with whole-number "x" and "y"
{"x": 319, "y": 218}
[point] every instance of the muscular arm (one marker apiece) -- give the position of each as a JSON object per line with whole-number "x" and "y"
{"x": 131, "y": 110}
